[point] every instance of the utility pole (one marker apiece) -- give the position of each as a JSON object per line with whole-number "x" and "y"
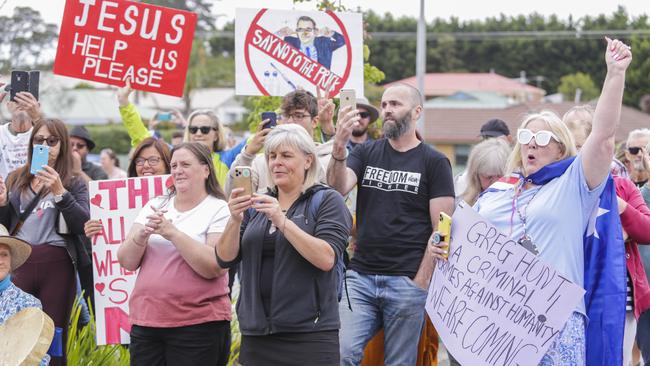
{"x": 421, "y": 61}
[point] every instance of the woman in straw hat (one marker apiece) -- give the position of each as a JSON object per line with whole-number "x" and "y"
{"x": 13, "y": 253}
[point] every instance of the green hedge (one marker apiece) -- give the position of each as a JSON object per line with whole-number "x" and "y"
{"x": 113, "y": 136}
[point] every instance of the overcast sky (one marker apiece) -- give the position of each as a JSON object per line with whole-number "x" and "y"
{"x": 52, "y": 10}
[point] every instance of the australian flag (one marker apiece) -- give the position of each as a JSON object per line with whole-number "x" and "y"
{"x": 605, "y": 272}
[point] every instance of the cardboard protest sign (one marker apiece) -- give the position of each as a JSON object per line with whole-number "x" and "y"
{"x": 116, "y": 203}
{"x": 282, "y": 50}
{"x": 494, "y": 302}
{"x": 111, "y": 41}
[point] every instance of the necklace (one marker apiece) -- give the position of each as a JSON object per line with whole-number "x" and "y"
{"x": 525, "y": 240}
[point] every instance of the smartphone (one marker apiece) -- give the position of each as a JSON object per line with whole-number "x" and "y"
{"x": 444, "y": 230}
{"x": 19, "y": 83}
{"x": 272, "y": 117}
{"x": 34, "y": 80}
{"x": 163, "y": 117}
{"x": 40, "y": 156}
{"x": 243, "y": 179}
{"x": 347, "y": 97}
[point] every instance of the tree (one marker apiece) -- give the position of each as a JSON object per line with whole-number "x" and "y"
{"x": 25, "y": 39}
{"x": 202, "y": 8}
{"x": 569, "y": 85}
{"x": 638, "y": 74}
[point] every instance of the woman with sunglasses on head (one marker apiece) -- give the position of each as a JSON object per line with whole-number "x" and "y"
{"x": 548, "y": 210}
{"x": 150, "y": 157}
{"x": 179, "y": 307}
{"x": 53, "y": 194}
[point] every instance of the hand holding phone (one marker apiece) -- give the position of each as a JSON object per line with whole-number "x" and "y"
{"x": 40, "y": 157}
{"x": 442, "y": 237}
{"x": 348, "y": 98}
{"x": 272, "y": 119}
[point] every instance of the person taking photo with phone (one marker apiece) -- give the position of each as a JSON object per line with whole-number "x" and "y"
{"x": 288, "y": 242}
{"x": 24, "y": 111}
{"x": 35, "y": 208}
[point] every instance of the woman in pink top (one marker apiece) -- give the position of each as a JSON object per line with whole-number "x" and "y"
{"x": 179, "y": 308}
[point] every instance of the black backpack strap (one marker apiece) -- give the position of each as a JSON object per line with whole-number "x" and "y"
{"x": 25, "y": 214}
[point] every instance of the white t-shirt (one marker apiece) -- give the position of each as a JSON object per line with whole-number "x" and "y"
{"x": 13, "y": 150}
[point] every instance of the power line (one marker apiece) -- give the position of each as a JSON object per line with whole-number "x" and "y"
{"x": 492, "y": 36}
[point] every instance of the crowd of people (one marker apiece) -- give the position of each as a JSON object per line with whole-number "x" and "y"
{"x": 333, "y": 242}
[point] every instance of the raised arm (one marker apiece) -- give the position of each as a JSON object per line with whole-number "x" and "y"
{"x": 598, "y": 150}
{"x": 339, "y": 176}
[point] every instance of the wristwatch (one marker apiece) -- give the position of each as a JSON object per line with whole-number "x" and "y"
{"x": 59, "y": 197}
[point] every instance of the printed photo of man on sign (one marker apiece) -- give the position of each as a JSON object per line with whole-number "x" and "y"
{"x": 286, "y": 50}
{"x": 112, "y": 41}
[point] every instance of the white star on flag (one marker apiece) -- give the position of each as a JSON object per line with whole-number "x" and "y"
{"x": 591, "y": 228}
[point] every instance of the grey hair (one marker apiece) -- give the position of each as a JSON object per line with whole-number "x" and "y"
{"x": 638, "y": 133}
{"x": 294, "y": 136}
{"x": 489, "y": 157}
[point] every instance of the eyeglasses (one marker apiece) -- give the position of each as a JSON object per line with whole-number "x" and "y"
{"x": 204, "y": 129}
{"x": 634, "y": 150}
{"x": 542, "y": 138}
{"x": 153, "y": 161}
{"x": 364, "y": 114}
{"x": 300, "y": 30}
{"x": 78, "y": 145}
{"x": 51, "y": 140}
{"x": 296, "y": 116}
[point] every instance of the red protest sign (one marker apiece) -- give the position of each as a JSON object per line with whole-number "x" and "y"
{"x": 112, "y": 41}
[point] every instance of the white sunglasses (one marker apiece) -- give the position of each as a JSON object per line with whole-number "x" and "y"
{"x": 542, "y": 138}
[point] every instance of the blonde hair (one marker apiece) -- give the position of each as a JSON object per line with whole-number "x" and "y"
{"x": 488, "y": 157}
{"x": 555, "y": 125}
{"x": 220, "y": 143}
{"x": 294, "y": 136}
{"x": 579, "y": 121}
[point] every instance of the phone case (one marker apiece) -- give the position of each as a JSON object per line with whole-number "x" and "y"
{"x": 39, "y": 158}
{"x": 272, "y": 117}
{"x": 243, "y": 179}
{"x": 347, "y": 98}
{"x": 444, "y": 228}
{"x": 19, "y": 83}
{"x": 34, "y": 79}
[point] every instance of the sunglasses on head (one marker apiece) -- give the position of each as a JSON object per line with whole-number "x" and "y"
{"x": 204, "y": 129}
{"x": 542, "y": 137}
{"x": 51, "y": 140}
{"x": 364, "y": 114}
{"x": 634, "y": 150}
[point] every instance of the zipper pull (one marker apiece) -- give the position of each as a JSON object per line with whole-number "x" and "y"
{"x": 317, "y": 317}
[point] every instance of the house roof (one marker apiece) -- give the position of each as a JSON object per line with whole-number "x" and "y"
{"x": 462, "y": 126}
{"x": 467, "y": 99}
{"x": 450, "y": 83}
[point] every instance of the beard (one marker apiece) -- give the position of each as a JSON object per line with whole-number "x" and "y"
{"x": 398, "y": 127}
{"x": 358, "y": 132}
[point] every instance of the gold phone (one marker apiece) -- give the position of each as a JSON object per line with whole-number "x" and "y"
{"x": 443, "y": 234}
{"x": 347, "y": 98}
{"x": 243, "y": 179}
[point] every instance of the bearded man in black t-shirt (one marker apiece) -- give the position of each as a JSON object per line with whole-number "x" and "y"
{"x": 403, "y": 185}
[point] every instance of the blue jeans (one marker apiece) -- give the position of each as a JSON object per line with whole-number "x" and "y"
{"x": 392, "y": 302}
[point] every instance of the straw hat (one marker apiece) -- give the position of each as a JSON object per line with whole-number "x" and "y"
{"x": 20, "y": 249}
{"x": 25, "y": 337}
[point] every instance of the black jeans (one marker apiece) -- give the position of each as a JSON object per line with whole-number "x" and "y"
{"x": 643, "y": 336}
{"x": 201, "y": 344}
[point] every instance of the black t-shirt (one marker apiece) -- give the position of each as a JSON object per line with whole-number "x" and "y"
{"x": 393, "y": 219}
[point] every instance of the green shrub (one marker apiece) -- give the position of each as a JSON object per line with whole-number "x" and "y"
{"x": 82, "y": 348}
{"x": 111, "y": 135}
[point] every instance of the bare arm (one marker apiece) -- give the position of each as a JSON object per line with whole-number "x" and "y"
{"x": 199, "y": 256}
{"x": 228, "y": 247}
{"x": 339, "y": 176}
{"x": 436, "y": 205}
{"x": 132, "y": 249}
{"x": 598, "y": 150}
